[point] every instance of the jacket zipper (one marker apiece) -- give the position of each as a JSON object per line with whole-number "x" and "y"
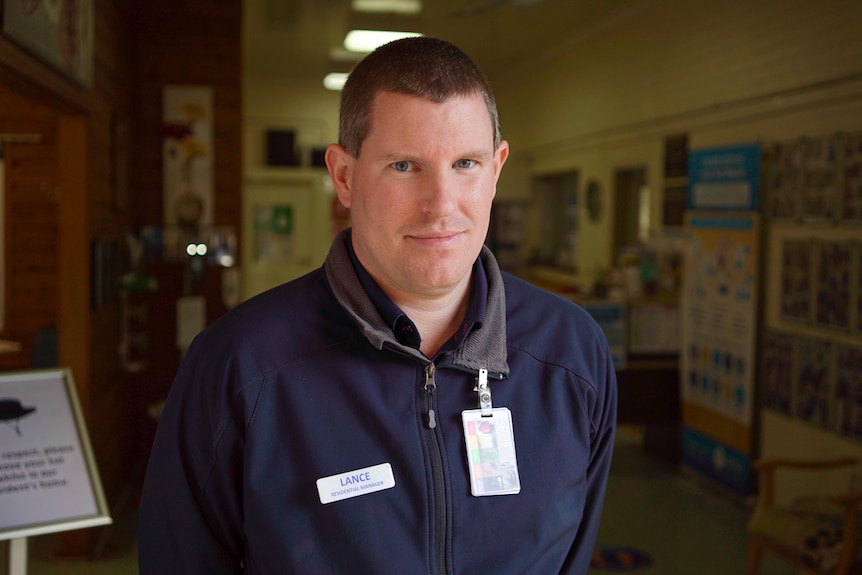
{"x": 436, "y": 471}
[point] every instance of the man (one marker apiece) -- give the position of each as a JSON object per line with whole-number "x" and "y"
{"x": 406, "y": 408}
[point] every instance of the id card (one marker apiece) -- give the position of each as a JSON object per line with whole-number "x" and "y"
{"x": 491, "y": 452}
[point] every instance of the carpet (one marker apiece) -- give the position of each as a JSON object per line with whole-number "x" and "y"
{"x": 619, "y": 559}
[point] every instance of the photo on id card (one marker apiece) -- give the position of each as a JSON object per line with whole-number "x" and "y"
{"x": 491, "y": 452}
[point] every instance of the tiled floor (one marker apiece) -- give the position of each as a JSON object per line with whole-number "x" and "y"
{"x": 685, "y": 527}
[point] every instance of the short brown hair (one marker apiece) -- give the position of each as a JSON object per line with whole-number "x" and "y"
{"x": 420, "y": 66}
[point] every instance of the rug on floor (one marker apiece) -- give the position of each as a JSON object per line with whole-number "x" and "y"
{"x": 619, "y": 559}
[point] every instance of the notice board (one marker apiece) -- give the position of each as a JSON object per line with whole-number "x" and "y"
{"x": 48, "y": 476}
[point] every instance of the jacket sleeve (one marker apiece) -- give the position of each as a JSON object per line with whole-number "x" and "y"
{"x": 603, "y": 428}
{"x": 190, "y": 516}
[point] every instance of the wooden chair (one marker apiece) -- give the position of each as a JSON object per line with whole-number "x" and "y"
{"x": 791, "y": 531}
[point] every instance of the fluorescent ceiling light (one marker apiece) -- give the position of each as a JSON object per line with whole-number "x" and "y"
{"x": 335, "y": 80}
{"x": 369, "y": 40}
{"x": 396, "y": 6}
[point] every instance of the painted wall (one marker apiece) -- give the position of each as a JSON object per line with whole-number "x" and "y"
{"x": 312, "y": 114}
{"x": 723, "y": 72}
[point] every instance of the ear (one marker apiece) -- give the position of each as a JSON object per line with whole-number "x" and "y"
{"x": 340, "y": 166}
{"x": 500, "y": 156}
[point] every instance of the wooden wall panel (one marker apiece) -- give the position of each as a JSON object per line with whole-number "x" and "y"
{"x": 73, "y": 186}
{"x": 197, "y": 42}
{"x": 31, "y": 230}
{"x": 194, "y": 42}
{"x": 111, "y": 104}
{"x": 60, "y": 188}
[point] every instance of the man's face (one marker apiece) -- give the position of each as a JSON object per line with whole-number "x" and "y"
{"x": 420, "y": 192}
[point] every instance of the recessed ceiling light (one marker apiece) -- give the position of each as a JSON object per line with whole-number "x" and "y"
{"x": 369, "y": 40}
{"x": 396, "y": 6}
{"x": 335, "y": 80}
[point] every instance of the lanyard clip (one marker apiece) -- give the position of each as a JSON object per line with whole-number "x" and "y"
{"x": 484, "y": 393}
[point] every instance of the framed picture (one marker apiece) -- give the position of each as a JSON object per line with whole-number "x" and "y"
{"x": 59, "y": 33}
{"x": 813, "y": 375}
{"x": 49, "y": 481}
{"x": 848, "y": 390}
{"x": 833, "y": 277}
{"x": 821, "y": 180}
{"x": 857, "y": 287}
{"x": 778, "y": 371}
{"x": 796, "y": 270}
{"x": 851, "y": 198}
{"x": 785, "y": 180}
{"x": 187, "y": 155}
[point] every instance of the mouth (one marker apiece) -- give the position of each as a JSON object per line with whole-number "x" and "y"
{"x": 436, "y": 238}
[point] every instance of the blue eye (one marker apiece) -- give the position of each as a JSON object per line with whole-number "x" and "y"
{"x": 402, "y": 166}
{"x": 465, "y": 164}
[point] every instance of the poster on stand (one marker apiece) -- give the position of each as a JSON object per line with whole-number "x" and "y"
{"x": 718, "y": 339}
{"x": 48, "y": 476}
{"x": 726, "y": 178}
{"x": 719, "y": 315}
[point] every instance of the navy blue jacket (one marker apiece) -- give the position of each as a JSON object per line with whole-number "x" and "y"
{"x": 306, "y": 381}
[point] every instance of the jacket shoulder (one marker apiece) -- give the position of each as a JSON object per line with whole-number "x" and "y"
{"x": 553, "y": 329}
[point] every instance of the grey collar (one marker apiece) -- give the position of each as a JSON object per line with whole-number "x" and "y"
{"x": 484, "y": 347}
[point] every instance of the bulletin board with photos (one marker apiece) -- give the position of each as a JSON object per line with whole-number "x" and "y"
{"x": 816, "y": 179}
{"x": 812, "y": 350}
{"x": 821, "y": 284}
{"x": 814, "y": 379}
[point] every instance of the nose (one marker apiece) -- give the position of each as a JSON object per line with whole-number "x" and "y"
{"x": 439, "y": 193}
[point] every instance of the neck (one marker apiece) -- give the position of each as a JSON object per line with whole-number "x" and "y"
{"x": 437, "y": 319}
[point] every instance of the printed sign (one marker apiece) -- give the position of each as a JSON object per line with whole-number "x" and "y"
{"x": 724, "y": 178}
{"x": 48, "y": 476}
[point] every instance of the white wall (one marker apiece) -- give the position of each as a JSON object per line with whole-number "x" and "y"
{"x": 311, "y": 112}
{"x": 723, "y": 72}
{"x": 313, "y": 115}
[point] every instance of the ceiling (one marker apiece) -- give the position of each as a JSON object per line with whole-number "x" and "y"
{"x": 295, "y": 40}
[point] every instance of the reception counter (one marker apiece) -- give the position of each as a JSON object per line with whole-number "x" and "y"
{"x": 648, "y": 390}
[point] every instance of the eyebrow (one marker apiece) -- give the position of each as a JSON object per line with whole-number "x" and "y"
{"x": 409, "y": 157}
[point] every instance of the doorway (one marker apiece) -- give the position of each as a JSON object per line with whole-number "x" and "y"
{"x": 558, "y": 194}
{"x": 631, "y": 208}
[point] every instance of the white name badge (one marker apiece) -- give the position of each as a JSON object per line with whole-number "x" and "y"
{"x": 354, "y": 483}
{"x": 491, "y": 452}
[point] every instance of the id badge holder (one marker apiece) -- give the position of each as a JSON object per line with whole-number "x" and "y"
{"x": 490, "y": 446}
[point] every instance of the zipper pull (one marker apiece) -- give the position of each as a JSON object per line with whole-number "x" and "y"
{"x": 430, "y": 386}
